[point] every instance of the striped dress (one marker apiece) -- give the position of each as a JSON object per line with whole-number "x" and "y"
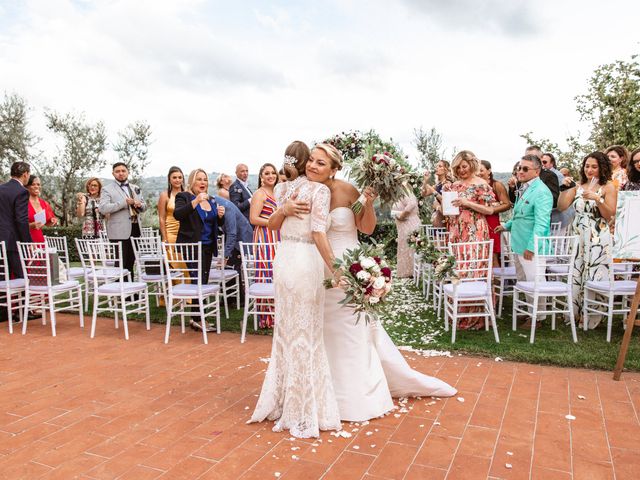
{"x": 264, "y": 235}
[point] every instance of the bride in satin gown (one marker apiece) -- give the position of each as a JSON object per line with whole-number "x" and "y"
{"x": 366, "y": 367}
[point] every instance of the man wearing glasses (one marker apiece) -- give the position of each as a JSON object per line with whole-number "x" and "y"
{"x": 531, "y": 216}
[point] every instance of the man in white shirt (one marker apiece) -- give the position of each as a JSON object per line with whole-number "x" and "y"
{"x": 239, "y": 191}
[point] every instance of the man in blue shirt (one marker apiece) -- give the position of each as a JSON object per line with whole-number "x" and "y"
{"x": 236, "y": 229}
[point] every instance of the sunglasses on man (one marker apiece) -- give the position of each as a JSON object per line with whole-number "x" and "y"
{"x": 525, "y": 169}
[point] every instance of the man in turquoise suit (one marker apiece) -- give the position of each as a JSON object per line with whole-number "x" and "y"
{"x": 531, "y": 216}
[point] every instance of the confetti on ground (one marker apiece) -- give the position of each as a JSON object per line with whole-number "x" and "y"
{"x": 582, "y": 397}
{"x": 277, "y": 474}
{"x": 570, "y": 417}
{"x": 356, "y": 447}
{"x": 460, "y": 399}
{"x": 368, "y": 433}
{"x": 510, "y": 453}
{"x": 341, "y": 433}
{"x": 498, "y": 359}
{"x": 295, "y": 457}
{"x": 508, "y": 465}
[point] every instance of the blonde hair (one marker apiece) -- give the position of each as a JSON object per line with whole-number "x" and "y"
{"x": 220, "y": 179}
{"x": 333, "y": 153}
{"x": 90, "y": 181}
{"x": 192, "y": 178}
{"x": 464, "y": 156}
{"x": 300, "y": 151}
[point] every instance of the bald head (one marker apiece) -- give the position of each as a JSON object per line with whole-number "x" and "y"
{"x": 242, "y": 172}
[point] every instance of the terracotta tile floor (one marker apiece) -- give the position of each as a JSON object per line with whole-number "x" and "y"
{"x": 72, "y": 407}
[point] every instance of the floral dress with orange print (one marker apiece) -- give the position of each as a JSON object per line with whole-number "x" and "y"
{"x": 470, "y": 226}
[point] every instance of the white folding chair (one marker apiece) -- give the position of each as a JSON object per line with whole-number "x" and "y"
{"x": 150, "y": 265}
{"x": 559, "y": 253}
{"x": 183, "y": 263}
{"x": 149, "y": 232}
{"x": 111, "y": 293}
{"x": 433, "y": 235}
{"x": 555, "y": 229}
{"x": 612, "y": 296}
{"x": 11, "y": 289}
{"x": 61, "y": 246}
{"x": 504, "y": 275}
{"x": 40, "y": 292}
{"x": 227, "y": 278}
{"x": 441, "y": 243}
{"x": 259, "y": 290}
{"x": 473, "y": 288}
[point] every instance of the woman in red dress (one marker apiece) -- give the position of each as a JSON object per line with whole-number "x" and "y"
{"x": 36, "y": 205}
{"x": 503, "y": 204}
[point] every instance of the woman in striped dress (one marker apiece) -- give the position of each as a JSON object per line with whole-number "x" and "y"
{"x": 263, "y": 204}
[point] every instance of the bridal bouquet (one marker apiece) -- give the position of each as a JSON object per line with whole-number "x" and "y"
{"x": 366, "y": 280}
{"x": 380, "y": 171}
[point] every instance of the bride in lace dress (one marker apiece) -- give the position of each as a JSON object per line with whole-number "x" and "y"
{"x": 297, "y": 391}
{"x": 366, "y": 367}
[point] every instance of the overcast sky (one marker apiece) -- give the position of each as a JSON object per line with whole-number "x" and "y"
{"x": 225, "y": 82}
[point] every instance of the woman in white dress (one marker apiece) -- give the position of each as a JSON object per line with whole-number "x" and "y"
{"x": 366, "y": 367}
{"x": 297, "y": 391}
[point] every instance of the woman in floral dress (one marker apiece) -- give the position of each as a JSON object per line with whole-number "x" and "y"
{"x": 263, "y": 204}
{"x": 475, "y": 200}
{"x": 594, "y": 201}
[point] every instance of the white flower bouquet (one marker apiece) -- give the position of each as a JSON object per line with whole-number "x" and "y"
{"x": 366, "y": 280}
{"x": 445, "y": 268}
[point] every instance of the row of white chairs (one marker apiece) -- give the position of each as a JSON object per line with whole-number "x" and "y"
{"x": 169, "y": 271}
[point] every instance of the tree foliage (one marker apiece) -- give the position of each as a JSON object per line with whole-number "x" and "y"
{"x": 132, "y": 148}
{"x": 569, "y": 157}
{"x": 429, "y": 145}
{"x": 79, "y": 153}
{"x": 611, "y": 105}
{"x": 16, "y": 141}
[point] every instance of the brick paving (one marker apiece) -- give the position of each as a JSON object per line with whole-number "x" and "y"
{"x": 72, "y": 407}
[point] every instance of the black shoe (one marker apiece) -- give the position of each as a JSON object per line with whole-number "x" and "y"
{"x": 34, "y": 316}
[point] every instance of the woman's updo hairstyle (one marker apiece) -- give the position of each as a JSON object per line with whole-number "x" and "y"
{"x": 333, "y": 153}
{"x": 296, "y": 156}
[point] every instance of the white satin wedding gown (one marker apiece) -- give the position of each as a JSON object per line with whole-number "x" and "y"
{"x": 366, "y": 367}
{"x": 297, "y": 391}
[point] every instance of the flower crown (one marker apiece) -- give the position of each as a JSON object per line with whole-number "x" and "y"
{"x": 290, "y": 161}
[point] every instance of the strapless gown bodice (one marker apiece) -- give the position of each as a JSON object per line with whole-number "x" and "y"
{"x": 366, "y": 367}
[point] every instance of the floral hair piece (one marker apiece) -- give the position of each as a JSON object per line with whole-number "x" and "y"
{"x": 290, "y": 161}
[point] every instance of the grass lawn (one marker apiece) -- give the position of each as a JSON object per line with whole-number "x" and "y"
{"x": 411, "y": 322}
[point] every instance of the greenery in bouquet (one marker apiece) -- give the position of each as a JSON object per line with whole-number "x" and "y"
{"x": 366, "y": 280}
{"x": 388, "y": 177}
{"x": 445, "y": 268}
{"x": 427, "y": 250}
{"x": 415, "y": 182}
{"x": 350, "y": 144}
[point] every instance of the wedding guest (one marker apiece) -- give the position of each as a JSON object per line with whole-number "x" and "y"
{"x": 618, "y": 158}
{"x": 223, "y": 182}
{"x": 282, "y": 177}
{"x": 565, "y": 172}
{"x": 199, "y": 216}
{"x": 37, "y": 205}
{"x": 406, "y": 214}
{"x": 633, "y": 171}
{"x": 123, "y": 203}
{"x": 240, "y": 193}
{"x": 548, "y": 161}
{"x": 531, "y": 217}
{"x": 475, "y": 200}
{"x": 263, "y": 204}
{"x": 549, "y": 178}
{"x": 14, "y": 215}
{"x": 87, "y": 208}
{"x": 169, "y": 226}
{"x": 442, "y": 177}
{"x": 503, "y": 204}
{"x": 594, "y": 201}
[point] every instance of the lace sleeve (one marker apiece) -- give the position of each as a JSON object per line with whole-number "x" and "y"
{"x": 320, "y": 209}
{"x": 278, "y": 193}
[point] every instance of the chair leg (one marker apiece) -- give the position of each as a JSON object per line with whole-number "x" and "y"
{"x": 167, "y": 329}
{"x": 52, "y": 311}
{"x": 26, "y": 314}
{"x": 609, "y": 316}
{"x": 218, "y": 313}
{"x": 244, "y": 318}
{"x": 494, "y": 325}
{"x": 534, "y": 317}
{"x": 224, "y": 297}
{"x": 572, "y": 318}
{"x": 95, "y": 315}
{"x": 202, "y": 322}
{"x": 514, "y": 315}
{"x": 146, "y": 309}
{"x": 80, "y": 307}
{"x": 125, "y": 324}
{"x": 454, "y": 319}
{"x": 10, "y": 314}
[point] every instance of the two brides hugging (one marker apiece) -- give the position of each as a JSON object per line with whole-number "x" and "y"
{"x": 325, "y": 367}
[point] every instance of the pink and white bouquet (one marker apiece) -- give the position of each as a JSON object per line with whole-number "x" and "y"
{"x": 382, "y": 172}
{"x": 366, "y": 280}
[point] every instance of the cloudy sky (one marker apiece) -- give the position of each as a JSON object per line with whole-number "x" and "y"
{"x": 225, "y": 82}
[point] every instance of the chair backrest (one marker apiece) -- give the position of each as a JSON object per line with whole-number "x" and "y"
{"x": 257, "y": 262}
{"x": 103, "y": 257}
{"x": 473, "y": 260}
{"x": 558, "y": 251}
{"x": 555, "y": 229}
{"x": 430, "y": 231}
{"x": 148, "y": 232}
{"x": 82, "y": 246}
{"x": 441, "y": 240}
{"x": 217, "y": 262}
{"x": 182, "y": 262}
{"x": 507, "y": 256}
{"x": 102, "y": 235}
{"x": 61, "y": 246}
{"x": 149, "y": 255}
{"x": 4, "y": 266}
{"x": 36, "y": 263}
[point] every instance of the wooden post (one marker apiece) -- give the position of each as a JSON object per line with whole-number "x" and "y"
{"x": 631, "y": 321}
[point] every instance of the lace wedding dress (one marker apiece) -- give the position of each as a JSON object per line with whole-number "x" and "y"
{"x": 297, "y": 391}
{"x": 366, "y": 367}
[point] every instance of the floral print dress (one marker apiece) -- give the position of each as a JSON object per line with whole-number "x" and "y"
{"x": 470, "y": 226}
{"x": 593, "y": 255}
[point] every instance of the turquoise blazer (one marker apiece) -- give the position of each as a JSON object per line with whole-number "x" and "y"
{"x": 531, "y": 217}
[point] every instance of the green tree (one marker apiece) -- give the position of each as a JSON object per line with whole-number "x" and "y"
{"x": 16, "y": 141}
{"x": 80, "y": 152}
{"x": 132, "y": 148}
{"x": 429, "y": 145}
{"x": 611, "y": 105}
{"x": 570, "y": 157}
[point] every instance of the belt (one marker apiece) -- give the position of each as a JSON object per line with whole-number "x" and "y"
{"x": 293, "y": 238}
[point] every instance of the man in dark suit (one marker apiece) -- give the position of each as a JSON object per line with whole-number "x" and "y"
{"x": 239, "y": 192}
{"x": 14, "y": 214}
{"x": 547, "y": 176}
